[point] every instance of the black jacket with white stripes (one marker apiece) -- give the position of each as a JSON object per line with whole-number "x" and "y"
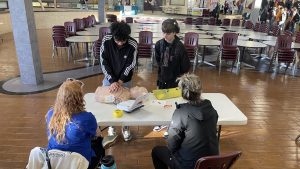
{"x": 118, "y": 63}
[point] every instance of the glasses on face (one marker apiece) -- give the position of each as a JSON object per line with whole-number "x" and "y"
{"x": 78, "y": 81}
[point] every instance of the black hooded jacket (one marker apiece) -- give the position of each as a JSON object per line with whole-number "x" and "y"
{"x": 193, "y": 133}
{"x": 171, "y": 64}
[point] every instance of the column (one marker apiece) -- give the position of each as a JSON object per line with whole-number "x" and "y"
{"x": 256, "y": 5}
{"x": 101, "y": 11}
{"x": 25, "y": 37}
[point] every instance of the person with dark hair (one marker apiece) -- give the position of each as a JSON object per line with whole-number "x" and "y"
{"x": 171, "y": 57}
{"x": 192, "y": 132}
{"x": 294, "y": 19}
{"x": 118, "y": 54}
{"x": 70, "y": 127}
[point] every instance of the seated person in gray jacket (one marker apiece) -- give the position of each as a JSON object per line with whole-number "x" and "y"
{"x": 192, "y": 132}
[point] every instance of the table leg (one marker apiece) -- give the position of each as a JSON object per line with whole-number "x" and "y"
{"x": 219, "y": 132}
{"x": 86, "y": 58}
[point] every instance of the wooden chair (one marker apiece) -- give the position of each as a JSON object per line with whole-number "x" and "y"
{"x": 145, "y": 46}
{"x": 218, "y": 161}
{"x": 226, "y": 22}
{"x": 235, "y": 22}
{"x": 103, "y": 31}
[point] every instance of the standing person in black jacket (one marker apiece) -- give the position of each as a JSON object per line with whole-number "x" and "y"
{"x": 118, "y": 58}
{"x": 192, "y": 133}
{"x": 171, "y": 57}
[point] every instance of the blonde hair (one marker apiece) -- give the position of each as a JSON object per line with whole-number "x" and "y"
{"x": 69, "y": 101}
{"x": 191, "y": 87}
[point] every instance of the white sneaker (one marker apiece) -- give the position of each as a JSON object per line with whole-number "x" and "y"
{"x": 111, "y": 131}
{"x": 159, "y": 128}
{"x": 126, "y": 134}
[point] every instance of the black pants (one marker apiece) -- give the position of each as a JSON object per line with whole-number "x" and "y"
{"x": 99, "y": 151}
{"x": 162, "y": 158}
{"x": 166, "y": 85}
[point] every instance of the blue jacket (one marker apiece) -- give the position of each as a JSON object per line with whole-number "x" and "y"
{"x": 79, "y": 132}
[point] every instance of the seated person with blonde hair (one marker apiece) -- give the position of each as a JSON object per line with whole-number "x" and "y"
{"x": 192, "y": 132}
{"x": 70, "y": 127}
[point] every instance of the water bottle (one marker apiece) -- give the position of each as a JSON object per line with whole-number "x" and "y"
{"x": 108, "y": 162}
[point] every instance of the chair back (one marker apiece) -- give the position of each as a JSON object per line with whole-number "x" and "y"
{"x": 188, "y": 21}
{"x": 212, "y": 21}
{"x": 129, "y": 20}
{"x": 199, "y": 21}
{"x": 275, "y": 30}
{"x": 248, "y": 25}
{"x": 90, "y": 21}
{"x": 288, "y": 33}
{"x": 70, "y": 28}
{"x": 229, "y": 40}
{"x": 145, "y": 38}
{"x": 284, "y": 42}
{"x": 191, "y": 43}
{"x": 226, "y": 22}
{"x": 59, "y": 40}
{"x": 264, "y": 28}
{"x": 96, "y": 48}
{"x": 297, "y": 40}
{"x": 256, "y": 27}
{"x": 59, "y": 30}
{"x": 205, "y": 13}
{"x": 235, "y": 22}
{"x": 58, "y": 159}
{"x": 145, "y": 44}
{"x": 218, "y": 161}
{"x": 79, "y": 24}
{"x": 103, "y": 31}
{"x": 93, "y": 19}
{"x": 86, "y": 22}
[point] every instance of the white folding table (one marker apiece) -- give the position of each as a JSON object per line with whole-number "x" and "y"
{"x": 157, "y": 112}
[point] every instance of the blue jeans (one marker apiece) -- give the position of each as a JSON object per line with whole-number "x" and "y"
{"x": 105, "y": 82}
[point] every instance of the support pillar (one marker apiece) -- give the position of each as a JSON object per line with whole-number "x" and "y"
{"x": 101, "y": 11}
{"x": 25, "y": 37}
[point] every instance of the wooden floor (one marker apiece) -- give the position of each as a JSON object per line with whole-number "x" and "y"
{"x": 272, "y": 106}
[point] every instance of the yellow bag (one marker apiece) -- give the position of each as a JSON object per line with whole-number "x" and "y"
{"x": 162, "y": 94}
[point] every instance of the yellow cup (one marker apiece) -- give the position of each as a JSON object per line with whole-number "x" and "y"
{"x": 118, "y": 113}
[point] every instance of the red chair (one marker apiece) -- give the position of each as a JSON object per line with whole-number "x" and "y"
{"x": 256, "y": 27}
{"x": 283, "y": 53}
{"x": 288, "y": 33}
{"x": 226, "y": 22}
{"x": 198, "y": 21}
{"x": 59, "y": 30}
{"x": 212, "y": 21}
{"x": 129, "y": 20}
{"x": 79, "y": 24}
{"x": 297, "y": 40}
{"x": 94, "y": 21}
{"x": 60, "y": 42}
{"x": 191, "y": 46}
{"x": 249, "y": 25}
{"x": 188, "y": 21}
{"x": 145, "y": 46}
{"x": 70, "y": 28}
{"x": 264, "y": 28}
{"x": 235, "y": 22}
{"x": 229, "y": 50}
{"x": 103, "y": 31}
{"x": 96, "y": 50}
{"x": 275, "y": 30}
{"x": 205, "y": 13}
{"x": 218, "y": 161}
{"x": 90, "y": 21}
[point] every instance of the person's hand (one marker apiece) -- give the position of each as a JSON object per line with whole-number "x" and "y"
{"x": 114, "y": 87}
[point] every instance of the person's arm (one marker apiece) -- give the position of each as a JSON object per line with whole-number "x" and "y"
{"x": 130, "y": 61}
{"x": 104, "y": 60}
{"x": 176, "y": 132}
